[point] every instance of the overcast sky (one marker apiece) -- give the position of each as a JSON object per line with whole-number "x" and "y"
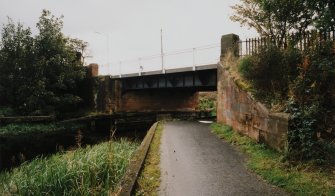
{"x": 133, "y": 26}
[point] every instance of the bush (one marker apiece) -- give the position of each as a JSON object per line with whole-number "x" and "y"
{"x": 6, "y": 111}
{"x": 271, "y": 71}
{"x": 245, "y": 66}
{"x": 311, "y": 103}
{"x": 207, "y": 104}
{"x": 304, "y": 82}
{"x": 303, "y": 143}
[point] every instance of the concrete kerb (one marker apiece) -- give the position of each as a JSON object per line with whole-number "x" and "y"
{"x": 127, "y": 184}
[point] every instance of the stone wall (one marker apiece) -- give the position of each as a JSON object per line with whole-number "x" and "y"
{"x": 237, "y": 108}
{"x": 159, "y": 100}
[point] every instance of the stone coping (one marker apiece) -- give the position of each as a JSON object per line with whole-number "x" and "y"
{"x": 127, "y": 184}
{"x": 26, "y": 119}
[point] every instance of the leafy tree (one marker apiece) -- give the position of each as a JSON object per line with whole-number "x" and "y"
{"x": 277, "y": 18}
{"x": 41, "y": 73}
{"x": 16, "y": 54}
{"x": 325, "y": 15}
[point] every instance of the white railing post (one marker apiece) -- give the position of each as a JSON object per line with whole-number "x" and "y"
{"x": 120, "y": 71}
{"x": 140, "y": 66}
{"x": 194, "y": 63}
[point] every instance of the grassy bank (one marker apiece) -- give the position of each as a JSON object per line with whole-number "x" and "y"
{"x": 149, "y": 179}
{"x": 299, "y": 179}
{"x": 33, "y": 129}
{"x": 89, "y": 171}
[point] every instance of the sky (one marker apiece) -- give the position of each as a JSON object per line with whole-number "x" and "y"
{"x": 119, "y": 30}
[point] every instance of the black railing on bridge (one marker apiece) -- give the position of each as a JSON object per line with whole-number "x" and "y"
{"x": 302, "y": 41}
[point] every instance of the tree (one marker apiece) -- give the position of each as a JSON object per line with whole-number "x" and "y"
{"x": 41, "y": 73}
{"x": 325, "y": 15}
{"x": 16, "y": 54}
{"x": 277, "y": 18}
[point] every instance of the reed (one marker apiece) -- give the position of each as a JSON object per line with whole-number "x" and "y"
{"x": 94, "y": 170}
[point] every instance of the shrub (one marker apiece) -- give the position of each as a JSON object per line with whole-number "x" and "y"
{"x": 245, "y": 66}
{"x": 311, "y": 102}
{"x": 6, "y": 111}
{"x": 271, "y": 71}
{"x": 207, "y": 104}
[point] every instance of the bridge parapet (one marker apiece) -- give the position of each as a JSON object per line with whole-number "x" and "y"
{"x": 202, "y": 79}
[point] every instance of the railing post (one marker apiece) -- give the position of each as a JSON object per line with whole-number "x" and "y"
{"x": 140, "y": 66}
{"x": 120, "y": 71}
{"x": 229, "y": 43}
{"x": 194, "y": 50}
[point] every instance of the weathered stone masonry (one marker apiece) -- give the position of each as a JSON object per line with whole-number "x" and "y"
{"x": 238, "y": 109}
{"x": 109, "y": 98}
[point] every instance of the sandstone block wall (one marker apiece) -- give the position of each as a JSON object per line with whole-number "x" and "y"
{"x": 238, "y": 109}
{"x": 159, "y": 100}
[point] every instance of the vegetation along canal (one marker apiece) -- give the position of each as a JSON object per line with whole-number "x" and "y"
{"x": 21, "y": 142}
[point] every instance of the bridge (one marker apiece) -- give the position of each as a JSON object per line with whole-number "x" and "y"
{"x": 203, "y": 78}
{"x": 164, "y": 87}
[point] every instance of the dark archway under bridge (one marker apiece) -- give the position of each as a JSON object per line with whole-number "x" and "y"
{"x": 174, "y": 90}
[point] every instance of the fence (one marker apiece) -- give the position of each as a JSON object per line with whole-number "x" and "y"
{"x": 301, "y": 41}
{"x": 191, "y": 57}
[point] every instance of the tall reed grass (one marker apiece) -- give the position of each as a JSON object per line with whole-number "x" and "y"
{"x": 92, "y": 170}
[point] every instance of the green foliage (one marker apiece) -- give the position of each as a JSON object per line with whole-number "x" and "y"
{"x": 298, "y": 180}
{"x": 245, "y": 66}
{"x": 207, "y": 104}
{"x": 270, "y": 71}
{"x": 302, "y": 135}
{"x": 39, "y": 74}
{"x": 273, "y": 19}
{"x": 305, "y": 83}
{"x": 311, "y": 104}
{"x": 19, "y": 129}
{"x": 6, "y": 111}
{"x": 324, "y": 20}
{"x": 276, "y": 19}
{"x": 90, "y": 171}
{"x": 25, "y": 130}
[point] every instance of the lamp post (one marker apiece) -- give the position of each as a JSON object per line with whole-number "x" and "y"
{"x": 107, "y": 56}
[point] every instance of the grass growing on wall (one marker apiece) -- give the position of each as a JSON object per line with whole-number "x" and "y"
{"x": 92, "y": 170}
{"x": 149, "y": 179}
{"x": 301, "y": 179}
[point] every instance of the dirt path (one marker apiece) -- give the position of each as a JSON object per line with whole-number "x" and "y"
{"x": 196, "y": 162}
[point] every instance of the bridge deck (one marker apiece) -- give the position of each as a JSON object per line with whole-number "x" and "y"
{"x": 167, "y": 71}
{"x": 199, "y": 78}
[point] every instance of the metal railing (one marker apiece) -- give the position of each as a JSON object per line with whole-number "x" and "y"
{"x": 302, "y": 41}
{"x": 191, "y": 57}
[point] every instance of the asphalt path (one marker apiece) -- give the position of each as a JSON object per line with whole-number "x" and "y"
{"x": 195, "y": 162}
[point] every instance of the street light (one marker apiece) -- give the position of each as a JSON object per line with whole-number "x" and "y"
{"x": 107, "y": 36}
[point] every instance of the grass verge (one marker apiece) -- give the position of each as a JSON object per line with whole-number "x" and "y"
{"x": 27, "y": 129}
{"x": 149, "y": 179}
{"x": 302, "y": 179}
{"x": 92, "y": 170}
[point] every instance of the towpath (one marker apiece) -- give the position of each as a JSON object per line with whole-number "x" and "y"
{"x": 195, "y": 162}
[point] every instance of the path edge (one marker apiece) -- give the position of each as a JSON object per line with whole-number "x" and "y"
{"x": 127, "y": 184}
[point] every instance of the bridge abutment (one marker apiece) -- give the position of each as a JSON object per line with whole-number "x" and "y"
{"x": 111, "y": 99}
